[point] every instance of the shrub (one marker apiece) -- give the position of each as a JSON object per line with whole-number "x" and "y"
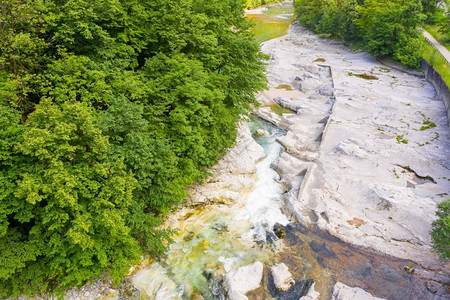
{"x": 440, "y": 234}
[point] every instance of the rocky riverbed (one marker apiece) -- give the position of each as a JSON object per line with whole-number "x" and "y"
{"x": 361, "y": 159}
{"x": 342, "y": 212}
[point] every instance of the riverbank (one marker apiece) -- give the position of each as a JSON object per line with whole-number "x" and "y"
{"x": 373, "y": 169}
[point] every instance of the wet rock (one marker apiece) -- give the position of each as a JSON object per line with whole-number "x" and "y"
{"x": 261, "y": 132}
{"x": 242, "y": 280}
{"x": 297, "y": 290}
{"x": 322, "y": 249}
{"x": 409, "y": 268}
{"x": 344, "y": 292}
{"x": 312, "y": 294}
{"x": 282, "y": 278}
{"x": 152, "y": 283}
{"x": 279, "y": 231}
{"x": 127, "y": 291}
{"x": 431, "y": 287}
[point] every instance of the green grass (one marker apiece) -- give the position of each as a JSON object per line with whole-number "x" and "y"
{"x": 279, "y": 110}
{"x": 433, "y": 57}
{"x": 286, "y": 87}
{"x": 444, "y": 39}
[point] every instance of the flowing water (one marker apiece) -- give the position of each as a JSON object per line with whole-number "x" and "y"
{"x": 215, "y": 239}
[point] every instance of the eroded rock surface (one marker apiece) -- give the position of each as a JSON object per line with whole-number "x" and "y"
{"x": 234, "y": 176}
{"x": 344, "y": 292}
{"x": 362, "y": 143}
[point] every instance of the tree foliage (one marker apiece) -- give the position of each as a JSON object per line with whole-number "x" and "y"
{"x": 109, "y": 110}
{"x": 256, "y": 3}
{"x": 383, "y": 27}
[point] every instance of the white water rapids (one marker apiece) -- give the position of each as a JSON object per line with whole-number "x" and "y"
{"x": 219, "y": 239}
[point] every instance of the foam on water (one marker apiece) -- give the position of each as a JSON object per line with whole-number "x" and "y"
{"x": 262, "y": 207}
{"x": 218, "y": 239}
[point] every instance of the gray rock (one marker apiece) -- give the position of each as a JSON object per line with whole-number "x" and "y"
{"x": 261, "y": 132}
{"x": 352, "y": 147}
{"x": 288, "y": 103}
{"x": 326, "y": 89}
{"x": 344, "y": 292}
{"x": 243, "y": 280}
{"x": 282, "y": 278}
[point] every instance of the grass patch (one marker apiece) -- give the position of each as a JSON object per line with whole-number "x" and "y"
{"x": 286, "y": 87}
{"x": 442, "y": 38}
{"x": 400, "y": 139}
{"x": 434, "y": 58}
{"x": 427, "y": 124}
{"x": 364, "y": 76}
{"x": 279, "y": 110}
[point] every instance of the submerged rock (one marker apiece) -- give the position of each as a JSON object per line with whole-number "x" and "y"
{"x": 279, "y": 231}
{"x": 282, "y": 278}
{"x": 261, "y": 132}
{"x": 243, "y": 280}
{"x": 344, "y": 292}
{"x": 312, "y": 294}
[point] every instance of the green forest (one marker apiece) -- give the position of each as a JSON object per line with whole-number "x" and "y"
{"x": 382, "y": 27}
{"x": 109, "y": 110}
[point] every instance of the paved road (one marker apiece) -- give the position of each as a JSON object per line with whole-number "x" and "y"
{"x": 445, "y": 53}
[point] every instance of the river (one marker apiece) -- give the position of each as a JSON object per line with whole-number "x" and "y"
{"x": 216, "y": 239}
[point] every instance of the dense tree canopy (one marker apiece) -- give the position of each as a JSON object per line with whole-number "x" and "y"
{"x": 109, "y": 110}
{"x": 383, "y": 27}
{"x": 256, "y": 3}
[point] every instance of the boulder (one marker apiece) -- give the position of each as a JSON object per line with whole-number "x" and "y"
{"x": 261, "y": 132}
{"x": 243, "y": 280}
{"x": 288, "y": 103}
{"x": 282, "y": 278}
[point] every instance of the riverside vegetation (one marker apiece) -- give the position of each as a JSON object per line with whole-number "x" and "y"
{"x": 382, "y": 27}
{"x": 108, "y": 111}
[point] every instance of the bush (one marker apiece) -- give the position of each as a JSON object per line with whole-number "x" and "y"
{"x": 440, "y": 234}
